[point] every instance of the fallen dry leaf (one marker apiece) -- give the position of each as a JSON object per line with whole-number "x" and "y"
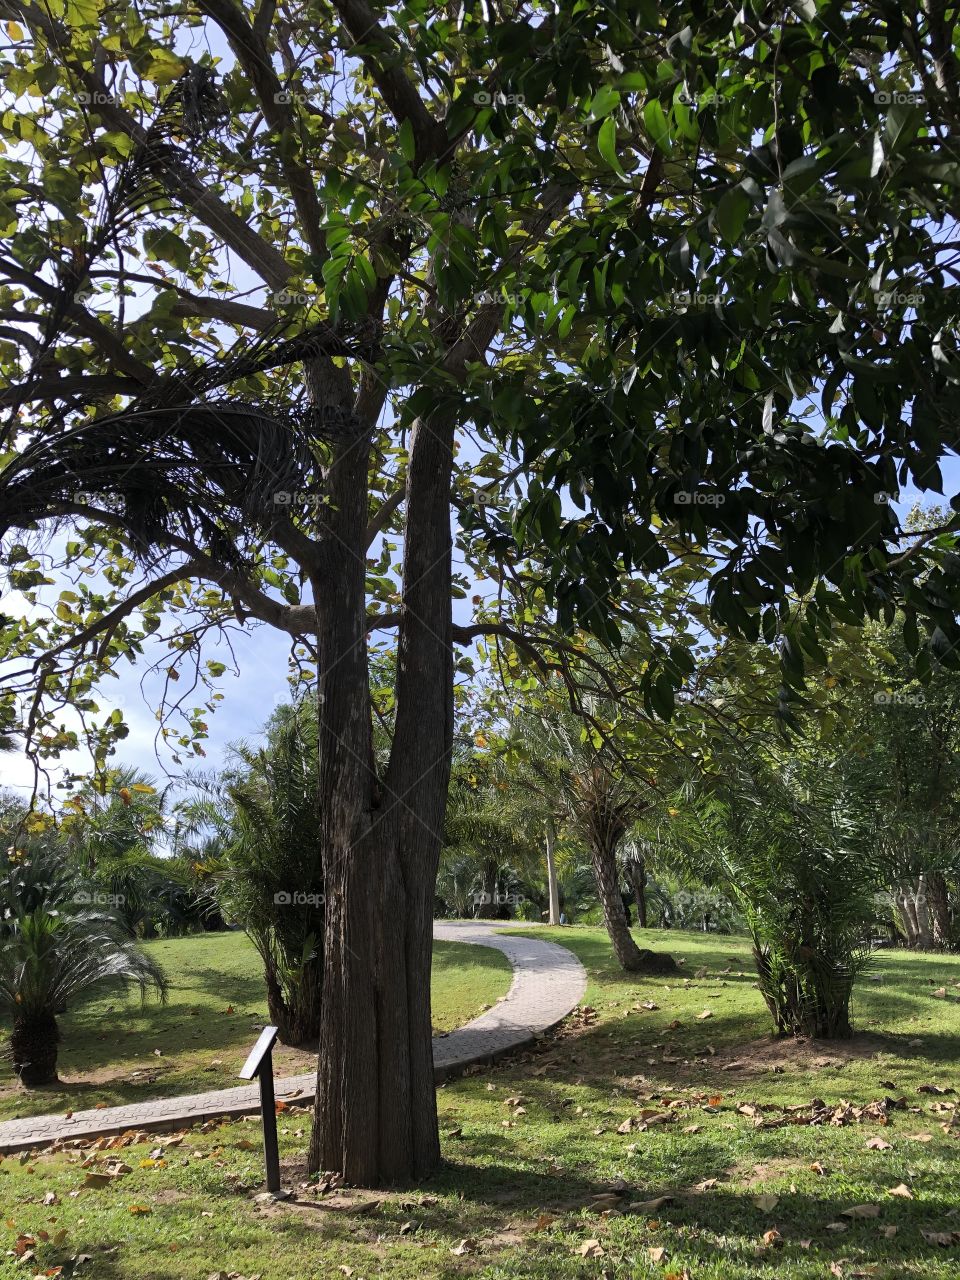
{"x": 648, "y": 1206}
{"x": 465, "y": 1247}
{"x": 879, "y": 1144}
{"x": 901, "y": 1189}
{"x": 766, "y": 1203}
{"x": 707, "y": 1013}
{"x": 862, "y": 1211}
{"x": 591, "y": 1249}
{"x": 942, "y": 1238}
{"x": 657, "y": 1254}
{"x": 773, "y": 1238}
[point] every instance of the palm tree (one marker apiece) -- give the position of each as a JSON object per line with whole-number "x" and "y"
{"x": 791, "y": 845}
{"x": 603, "y": 801}
{"x": 56, "y": 945}
{"x": 262, "y": 865}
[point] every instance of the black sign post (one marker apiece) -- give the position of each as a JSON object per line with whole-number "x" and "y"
{"x": 260, "y": 1064}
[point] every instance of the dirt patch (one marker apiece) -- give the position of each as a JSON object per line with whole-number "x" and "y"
{"x": 757, "y": 1057}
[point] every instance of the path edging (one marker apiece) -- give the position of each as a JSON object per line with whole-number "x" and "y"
{"x": 548, "y": 983}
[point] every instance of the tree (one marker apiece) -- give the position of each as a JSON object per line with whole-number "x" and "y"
{"x": 904, "y": 755}
{"x": 791, "y": 846}
{"x": 618, "y": 251}
{"x": 54, "y": 948}
{"x": 266, "y": 872}
{"x": 603, "y": 792}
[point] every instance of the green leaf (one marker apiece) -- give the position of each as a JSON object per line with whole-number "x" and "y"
{"x": 732, "y": 213}
{"x": 607, "y": 144}
{"x": 408, "y": 144}
{"x": 657, "y": 127}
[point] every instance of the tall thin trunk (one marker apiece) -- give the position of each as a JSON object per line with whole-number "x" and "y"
{"x": 925, "y": 933}
{"x": 485, "y": 908}
{"x": 553, "y": 885}
{"x": 908, "y": 914}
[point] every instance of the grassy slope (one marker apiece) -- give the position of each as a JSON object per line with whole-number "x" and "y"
{"x": 563, "y": 1148}
{"x": 208, "y": 1024}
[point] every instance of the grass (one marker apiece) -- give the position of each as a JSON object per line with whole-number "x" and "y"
{"x": 519, "y": 1181}
{"x": 117, "y": 1051}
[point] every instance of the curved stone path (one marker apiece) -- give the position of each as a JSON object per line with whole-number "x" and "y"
{"x": 548, "y": 981}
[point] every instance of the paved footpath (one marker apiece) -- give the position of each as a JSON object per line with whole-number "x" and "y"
{"x": 548, "y": 981}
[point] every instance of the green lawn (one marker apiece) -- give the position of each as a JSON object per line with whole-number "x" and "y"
{"x": 530, "y": 1185}
{"x": 116, "y": 1050}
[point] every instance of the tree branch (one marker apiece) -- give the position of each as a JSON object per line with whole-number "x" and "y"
{"x": 383, "y": 60}
{"x": 251, "y": 52}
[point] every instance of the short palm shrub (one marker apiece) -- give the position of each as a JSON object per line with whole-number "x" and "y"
{"x": 789, "y": 847}
{"x": 55, "y": 947}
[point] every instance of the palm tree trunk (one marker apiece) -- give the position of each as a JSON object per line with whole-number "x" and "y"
{"x": 630, "y": 957}
{"x": 552, "y": 883}
{"x": 34, "y": 1042}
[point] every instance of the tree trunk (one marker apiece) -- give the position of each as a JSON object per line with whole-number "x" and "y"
{"x": 938, "y": 901}
{"x": 629, "y": 956}
{"x": 485, "y": 906}
{"x": 636, "y": 870}
{"x": 552, "y": 883}
{"x": 376, "y": 1118}
{"x": 925, "y": 934}
{"x": 908, "y": 914}
{"x": 34, "y": 1043}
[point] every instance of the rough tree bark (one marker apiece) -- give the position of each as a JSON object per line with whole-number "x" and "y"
{"x": 938, "y": 901}
{"x": 375, "y": 1119}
